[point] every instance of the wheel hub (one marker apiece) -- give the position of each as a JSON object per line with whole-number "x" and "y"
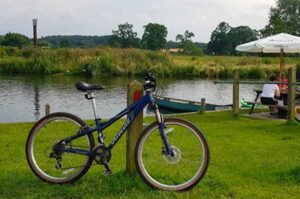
{"x": 57, "y": 150}
{"x": 173, "y": 159}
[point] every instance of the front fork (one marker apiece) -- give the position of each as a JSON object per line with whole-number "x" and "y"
{"x": 162, "y": 127}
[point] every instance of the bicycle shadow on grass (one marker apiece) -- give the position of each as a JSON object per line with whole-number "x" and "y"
{"x": 94, "y": 184}
{"x": 117, "y": 183}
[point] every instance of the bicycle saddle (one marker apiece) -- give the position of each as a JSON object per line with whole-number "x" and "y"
{"x": 83, "y": 86}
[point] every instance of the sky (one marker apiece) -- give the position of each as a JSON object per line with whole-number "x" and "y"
{"x": 100, "y": 17}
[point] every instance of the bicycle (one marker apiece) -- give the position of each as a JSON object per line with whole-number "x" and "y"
{"x": 171, "y": 154}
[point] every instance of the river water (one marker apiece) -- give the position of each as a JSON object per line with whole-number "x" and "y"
{"x": 23, "y": 98}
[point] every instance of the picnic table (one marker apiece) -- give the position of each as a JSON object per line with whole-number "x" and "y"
{"x": 283, "y": 96}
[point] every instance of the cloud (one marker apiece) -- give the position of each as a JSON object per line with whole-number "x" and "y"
{"x": 100, "y": 17}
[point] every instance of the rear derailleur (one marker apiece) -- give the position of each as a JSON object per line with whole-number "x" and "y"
{"x": 57, "y": 151}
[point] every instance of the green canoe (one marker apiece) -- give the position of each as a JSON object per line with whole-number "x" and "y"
{"x": 172, "y": 105}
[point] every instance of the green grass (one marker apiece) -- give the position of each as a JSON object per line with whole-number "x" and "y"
{"x": 249, "y": 159}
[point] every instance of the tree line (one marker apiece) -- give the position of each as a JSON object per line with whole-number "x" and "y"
{"x": 284, "y": 17}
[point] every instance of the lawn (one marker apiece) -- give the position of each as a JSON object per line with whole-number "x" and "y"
{"x": 249, "y": 159}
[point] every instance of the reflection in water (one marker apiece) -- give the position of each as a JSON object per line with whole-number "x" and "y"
{"x": 23, "y": 98}
{"x": 36, "y": 102}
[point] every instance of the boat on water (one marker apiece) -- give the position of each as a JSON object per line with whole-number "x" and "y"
{"x": 173, "y": 105}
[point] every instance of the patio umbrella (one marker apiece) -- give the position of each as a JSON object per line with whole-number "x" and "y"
{"x": 280, "y": 43}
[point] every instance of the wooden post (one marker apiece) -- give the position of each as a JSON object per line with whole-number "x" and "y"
{"x": 235, "y": 94}
{"x": 134, "y": 92}
{"x": 34, "y": 23}
{"x": 202, "y": 109}
{"x": 291, "y": 94}
{"x": 47, "y": 109}
{"x": 281, "y": 69}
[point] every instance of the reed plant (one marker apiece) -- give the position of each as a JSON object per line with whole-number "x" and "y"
{"x": 115, "y": 61}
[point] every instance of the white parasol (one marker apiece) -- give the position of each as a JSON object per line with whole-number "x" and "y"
{"x": 280, "y": 43}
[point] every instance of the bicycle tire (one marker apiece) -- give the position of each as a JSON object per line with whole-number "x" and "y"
{"x": 161, "y": 168}
{"x": 50, "y": 129}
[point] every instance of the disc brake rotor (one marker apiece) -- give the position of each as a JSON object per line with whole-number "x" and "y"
{"x": 173, "y": 159}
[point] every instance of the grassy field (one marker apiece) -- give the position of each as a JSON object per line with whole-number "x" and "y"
{"x": 249, "y": 159}
{"x": 114, "y": 61}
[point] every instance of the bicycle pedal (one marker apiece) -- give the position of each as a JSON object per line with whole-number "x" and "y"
{"x": 107, "y": 172}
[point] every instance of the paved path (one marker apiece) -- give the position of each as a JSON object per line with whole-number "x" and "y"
{"x": 267, "y": 116}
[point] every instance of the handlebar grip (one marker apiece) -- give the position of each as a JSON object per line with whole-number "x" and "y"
{"x": 150, "y": 81}
{"x": 150, "y": 76}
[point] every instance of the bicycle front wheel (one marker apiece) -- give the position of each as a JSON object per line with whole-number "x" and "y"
{"x": 47, "y": 156}
{"x": 180, "y": 172}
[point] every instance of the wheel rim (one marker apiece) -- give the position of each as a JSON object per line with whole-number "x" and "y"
{"x": 167, "y": 173}
{"x": 46, "y": 134}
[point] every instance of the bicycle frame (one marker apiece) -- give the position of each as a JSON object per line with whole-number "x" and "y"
{"x": 135, "y": 108}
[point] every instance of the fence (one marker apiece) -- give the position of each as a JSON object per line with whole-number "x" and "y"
{"x": 291, "y": 91}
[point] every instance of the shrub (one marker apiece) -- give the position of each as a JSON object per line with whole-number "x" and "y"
{"x": 27, "y": 52}
{"x": 100, "y": 66}
{"x": 2, "y": 52}
{"x": 11, "y": 51}
{"x": 13, "y": 66}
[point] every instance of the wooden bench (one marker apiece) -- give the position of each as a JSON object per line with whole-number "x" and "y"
{"x": 285, "y": 108}
{"x": 253, "y": 103}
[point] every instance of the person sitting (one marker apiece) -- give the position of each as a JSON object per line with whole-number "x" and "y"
{"x": 269, "y": 94}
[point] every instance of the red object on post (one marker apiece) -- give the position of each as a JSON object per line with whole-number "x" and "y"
{"x": 136, "y": 96}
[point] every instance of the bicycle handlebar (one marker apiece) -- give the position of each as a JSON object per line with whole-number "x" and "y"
{"x": 150, "y": 82}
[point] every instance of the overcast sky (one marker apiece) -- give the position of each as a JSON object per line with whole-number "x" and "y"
{"x": 100, "y": 17}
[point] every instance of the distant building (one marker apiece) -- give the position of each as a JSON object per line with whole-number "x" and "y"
{"x": 175, "y": 50}
{"x": 172, "y": 50}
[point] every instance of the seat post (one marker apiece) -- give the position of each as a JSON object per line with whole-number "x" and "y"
{"x": 92, "y": 97}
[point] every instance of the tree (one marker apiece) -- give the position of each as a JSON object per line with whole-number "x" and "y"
{"x": 154, "y": 37}
{"x": 124, "y": 37}
{"x": 219, "y": 42}
{"x": 1, "y": 39}
{"x": 185, "y": 37}
{"x": 77, "y": 40}
{"x": 15, "y": 39}
{"x": 225, "y": 38}
{"x": 187, "y": 45}
{"x": 190, "y": 48}
{"x": 240, "y": 35}
{"x": 64, "y": 43}
{"x": 285, "y": 17}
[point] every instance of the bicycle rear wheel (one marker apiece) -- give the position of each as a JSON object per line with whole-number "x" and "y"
{"x": 180, "y": 172}
{"x": 45, "y": 154}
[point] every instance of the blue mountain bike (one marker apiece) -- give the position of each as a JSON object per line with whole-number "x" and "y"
{"x": 171, "y": 154}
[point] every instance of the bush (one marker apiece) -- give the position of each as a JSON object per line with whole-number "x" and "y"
{"x": 12, "y": 51}
{"x": 15, "y": 39}
{"x": 2, "y": 52}
{"x": 191, "y": 49}
{"x": 100, "y": 66}
{"x": 27, "y": 52}
{"x": 13, "y": 66}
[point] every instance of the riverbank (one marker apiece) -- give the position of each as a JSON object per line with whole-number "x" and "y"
{"x": 249, "y": 159}
{"x": 128, "y": 62}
